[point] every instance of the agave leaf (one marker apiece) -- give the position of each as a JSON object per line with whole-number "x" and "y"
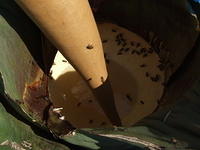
{"x": 16, "y": 135}
{"x": 17, "y": 66}
{"x": 93, "y": 141}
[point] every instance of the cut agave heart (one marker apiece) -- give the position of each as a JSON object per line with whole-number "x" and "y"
{"x": 135, "y": 73}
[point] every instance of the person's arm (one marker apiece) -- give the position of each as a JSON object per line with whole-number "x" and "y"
{"x": 70, "y": 26}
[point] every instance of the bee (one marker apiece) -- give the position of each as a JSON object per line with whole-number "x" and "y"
{"x": 113, "y": 30}
{"x": 129, "y": 97}
{"x": 127, "y": 49}
{"x": 90, "y": 46}
{"x": 142, "y": 102}
{"x": 143, "y": 65}
{"x": 104, "y": 41}
{"x": 147, "y": 74}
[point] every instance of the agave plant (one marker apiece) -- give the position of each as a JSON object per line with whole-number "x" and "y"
{"x": 149, "y": 50}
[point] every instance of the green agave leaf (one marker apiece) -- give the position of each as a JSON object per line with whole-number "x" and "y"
{"x": 16, "y": 135}
{"x": 17, "y": 66}
{"x": 91, "y": 140}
